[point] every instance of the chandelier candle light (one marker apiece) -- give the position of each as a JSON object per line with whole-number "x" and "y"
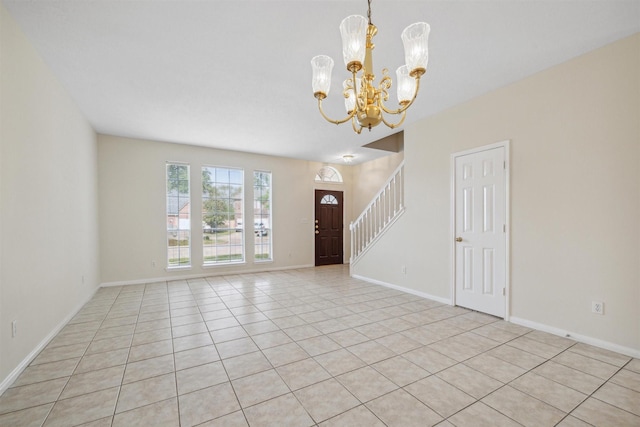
{"x": 363, "y": 101}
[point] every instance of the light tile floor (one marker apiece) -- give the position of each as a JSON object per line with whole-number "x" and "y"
{"x": 310, "y": 347}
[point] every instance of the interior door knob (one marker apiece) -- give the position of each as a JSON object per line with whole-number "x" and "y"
{"x": 458, "y": 239}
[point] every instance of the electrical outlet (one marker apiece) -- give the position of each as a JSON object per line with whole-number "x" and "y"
{"x": 404, "y": 269}
{"x": 597, "y": 307}
{"x": 14, "y": 328}
{"x": 153, "y": 263}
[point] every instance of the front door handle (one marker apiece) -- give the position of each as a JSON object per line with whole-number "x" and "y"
{"x": 458, "y": 239}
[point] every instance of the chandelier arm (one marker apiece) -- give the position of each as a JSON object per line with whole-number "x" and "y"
{"x": 357, "y": 106}
{"x": 355, "y": 128}
{"x": 395, "y": 125}
{"x": 403, "y": 108}
{"x": 330, "y": 120}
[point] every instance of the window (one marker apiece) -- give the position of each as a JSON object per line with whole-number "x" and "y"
{"x": 328, "y": 174}
{"x": 178, "y": 216}
{"x": 329, "y": 199}
{"x": 262, "y": 215}
{"x": 222, "y": 226}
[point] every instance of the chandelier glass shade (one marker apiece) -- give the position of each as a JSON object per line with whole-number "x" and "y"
{"x": 364, "y": 101}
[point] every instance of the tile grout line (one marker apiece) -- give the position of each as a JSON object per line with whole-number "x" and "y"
{"x": 44, "y": 421}
{"x": 286, "y": 293}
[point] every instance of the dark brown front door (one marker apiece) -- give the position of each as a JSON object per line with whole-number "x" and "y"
{"x": 329, "y": 227}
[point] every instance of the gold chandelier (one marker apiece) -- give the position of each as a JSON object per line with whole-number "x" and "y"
{"x": 363, "y": 101}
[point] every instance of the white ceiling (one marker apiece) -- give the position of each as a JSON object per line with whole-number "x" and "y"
{"x": 236, "y": 74}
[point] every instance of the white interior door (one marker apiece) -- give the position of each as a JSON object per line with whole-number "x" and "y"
{"x": 480, "y": 231}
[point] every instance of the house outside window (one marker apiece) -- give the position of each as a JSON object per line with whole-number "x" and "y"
{"x": 222, "y": 215}
{"x": 263, "y": 248}
{"x": 178, "y": 216}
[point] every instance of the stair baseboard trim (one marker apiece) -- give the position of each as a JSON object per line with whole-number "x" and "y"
{"x": 377, "y": 237}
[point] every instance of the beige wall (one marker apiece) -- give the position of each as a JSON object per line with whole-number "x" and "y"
{"x": 575, "y": 199}
{"x": 575, "y": 196}
{"x": 132, "y": 207}
{"x": 369, "y": 178}
{"x": 48, "y": 202}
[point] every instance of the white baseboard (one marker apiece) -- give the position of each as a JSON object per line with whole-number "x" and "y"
{"x": 201, "y": 275}
{"x": 6, "y": 383}
{"x": 578, "y": 337}
{"x": 400, "y": 288}
{"x": 522, "y": 322}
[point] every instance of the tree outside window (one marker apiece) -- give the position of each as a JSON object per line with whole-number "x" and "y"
{"x": 178, "y": 215}
{"x": 222, "y": 205}
{"x": 263, "y": 230}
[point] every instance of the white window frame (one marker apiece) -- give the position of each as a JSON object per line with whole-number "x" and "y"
{"x": 229, "y": 229}
{"x": 268, "y": 229}
{"x": 329, "y": 175}
{"x": 182, "y": 227}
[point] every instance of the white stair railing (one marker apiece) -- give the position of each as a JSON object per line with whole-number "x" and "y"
{"x": 383, "y": 210}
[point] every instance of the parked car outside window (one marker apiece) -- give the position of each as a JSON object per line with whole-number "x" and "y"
{"x": 260, "y": 230}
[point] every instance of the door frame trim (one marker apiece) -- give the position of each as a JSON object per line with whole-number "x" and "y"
{"x": 345, "y": 229}
{"x": 507, "y": 189}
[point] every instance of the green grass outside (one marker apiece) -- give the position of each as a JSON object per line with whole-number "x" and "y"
{"x": 218, "y": 258}
{"x": 221, "y": 258}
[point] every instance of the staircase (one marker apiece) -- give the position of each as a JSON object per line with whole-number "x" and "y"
{"x": 385, "y": 208}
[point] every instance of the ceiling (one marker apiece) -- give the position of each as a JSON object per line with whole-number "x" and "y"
{"x": 236, "y": 74}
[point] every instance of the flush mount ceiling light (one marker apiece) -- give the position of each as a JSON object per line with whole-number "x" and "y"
{"x": 363, "y": 101}
{"x": 348, "y": 158}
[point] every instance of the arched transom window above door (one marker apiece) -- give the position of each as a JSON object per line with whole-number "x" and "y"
{"x": 329, "y": 199}
{"x": 328, "y": 174}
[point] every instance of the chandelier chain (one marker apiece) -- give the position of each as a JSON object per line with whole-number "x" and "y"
{"x": 369, "y": 12}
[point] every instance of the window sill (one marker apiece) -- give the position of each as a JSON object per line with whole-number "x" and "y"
{"x": 185, "y": 268}
{"x": 223, "y": 264}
